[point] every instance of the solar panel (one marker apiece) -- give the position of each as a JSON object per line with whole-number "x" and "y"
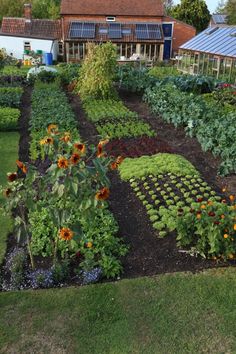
{"x": 88, "y": 30}
{"x": 148, "y": 31}
{"x": 142, "y": 31}
{"x": 82, "y": 30}
{"x": 75, "y": 30}
{"x": 154, "y": 31}
{"x": 114, "y": 30}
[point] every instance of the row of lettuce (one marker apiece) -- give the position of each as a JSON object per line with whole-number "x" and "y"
{"x": 61, "y": 200}
{"x": 204, "y": 106}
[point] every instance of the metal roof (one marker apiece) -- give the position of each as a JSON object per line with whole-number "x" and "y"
{"x": 214, "y": 40}
{"x": 219, "y": 19}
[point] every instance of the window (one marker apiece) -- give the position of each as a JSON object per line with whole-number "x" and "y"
{"x": 126, "y": 31}
{"x": 27, "y": 46}
{"x": 103, "y": 30}
{"x": 110, "y": 18}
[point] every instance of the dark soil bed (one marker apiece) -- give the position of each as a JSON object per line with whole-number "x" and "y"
{"x": 149, "y": 255}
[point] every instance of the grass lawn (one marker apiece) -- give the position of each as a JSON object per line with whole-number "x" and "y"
{"x": 178, "y": 313}
{"x": 8, "y": 156}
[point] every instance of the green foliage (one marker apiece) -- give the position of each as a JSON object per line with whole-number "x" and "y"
{"x": 129, "y": 128}
{"x": 9, "y": 119}
{"x": 49, "y": 106}
{"x": 68, "y": 72}
{"x": 97, "y": 72}
{"x": 162, "y": 72}
{"x": 10, "y": 96}
{"x": 193, "y": 12}
{"x": 156, "y": 165}
{"x": 231, "y": 12}
{"x": 99, "y": 110}
{"x": 46, "y": 9}
{"x": 210, "y": 121}
{"x": 209, "y": 232}
{"x": 134, "y": 79}
{"x": 114, "y": 120}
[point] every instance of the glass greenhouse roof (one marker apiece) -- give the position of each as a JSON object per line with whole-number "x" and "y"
{"x": 214, "y": 40}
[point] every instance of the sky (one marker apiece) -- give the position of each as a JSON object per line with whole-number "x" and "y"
{"x": 212, "y": 4}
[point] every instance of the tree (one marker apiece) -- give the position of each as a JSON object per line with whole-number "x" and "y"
{"x": 11, "y": 8}
{"x": 46, "y": 9}
{"x": 193, "y": 12}
{"x": 231, "y": 12}
{"x": 168, "y": 5}
{"x": 221, "y": 7}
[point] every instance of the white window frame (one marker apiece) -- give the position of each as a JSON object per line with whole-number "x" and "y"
{"x": 111, "y": 18}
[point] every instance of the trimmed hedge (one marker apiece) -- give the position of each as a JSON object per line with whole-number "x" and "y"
{"x": 9, "y": 118}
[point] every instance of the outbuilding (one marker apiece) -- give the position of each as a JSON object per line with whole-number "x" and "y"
{"x": 212, "y": 52}
{"x": 23, "y": 35}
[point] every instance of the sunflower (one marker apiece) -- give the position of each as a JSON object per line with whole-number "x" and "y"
{"x": 42, "y": 141}
{"x": 113, "y": 166}
{"x": 80, "y": 147}
{"x": 22, "y": 166}
{"x": 103, "y": 142}
{"x": 74, "y": 159}
{"x": 52, "y": 128}
{"x": 231, "y": 198}
{"x": 119, "y": 160}
{"x": 103, "y": 194}
{"x": 89, "y": 245}
{"x": 100, "y": 151}
{"x": 66, "y": 138}
{"x": 7, "y": 192}
{"x": 66, "y": 234}
{"x": 62, "y": 162}
{"x": 11, "y": 177}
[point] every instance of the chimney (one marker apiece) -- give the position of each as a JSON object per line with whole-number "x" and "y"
{"x": 28, "y": 11}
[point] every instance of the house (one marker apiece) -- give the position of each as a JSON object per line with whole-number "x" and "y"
{"x": 218, "y": 20}
{"x": 212, "y": 52}
{"x": 135, "y": 26}
{"x": 20, "y": 35}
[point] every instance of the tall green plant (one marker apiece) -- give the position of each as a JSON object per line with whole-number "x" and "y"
{"x": 98, "y": 72}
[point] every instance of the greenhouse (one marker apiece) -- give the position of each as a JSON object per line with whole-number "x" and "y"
{"x": 212, "y": 52}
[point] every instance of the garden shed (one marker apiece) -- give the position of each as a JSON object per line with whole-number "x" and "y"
{"x": 212, "y": 52}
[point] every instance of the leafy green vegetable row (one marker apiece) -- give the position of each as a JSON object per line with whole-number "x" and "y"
{"x": 10, "y": 96}
{"x": 114, "y": 120}
{"x": 9, "y": 118}
{"x": 212, "y": 123}
{"x": 49, "y": 106}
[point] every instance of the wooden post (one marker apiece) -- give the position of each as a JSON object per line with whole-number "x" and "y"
{"x": 161, "y": 52}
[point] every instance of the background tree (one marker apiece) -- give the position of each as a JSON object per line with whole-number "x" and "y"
{"x": 168, "y": 5}
{"x": 193, "y": 12}
{"x": 46, "y": 8}
{"x": 231, "y": 11}
{"x": 41, "y": 8}
{"x": 221, "y": 7}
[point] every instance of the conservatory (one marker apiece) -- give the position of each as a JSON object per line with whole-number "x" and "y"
{"x": 212, "y": 52}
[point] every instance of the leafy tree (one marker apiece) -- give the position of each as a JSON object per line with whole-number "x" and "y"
{"x": 168, "y": 5}
{"x": 11, "y": 8}
{"x": 221, "y": 7}
{"x": 231, "y": 11}
{"x": 46, "y": 9}
{"x": 193, "y": 12}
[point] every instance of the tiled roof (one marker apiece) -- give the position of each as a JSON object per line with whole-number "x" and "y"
{"x": 45, "y": 29}
{"x": 214, "y": 40}
{"x": 113, "y": 8}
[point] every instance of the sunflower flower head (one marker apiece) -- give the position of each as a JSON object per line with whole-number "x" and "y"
{"x": 11, "y": 177}
{"x": 75, "y": 158}
{"x": 21, "y": 166}
{"x": 80, "y": 147}
{"x": 103, "y": 194}
{"x": 63, "y": 162}
{"x": 52, "y": 129}
{"x": 7, "y": 192}
{"x": 66, "y": 234}
{"x": 66, "y": 137}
